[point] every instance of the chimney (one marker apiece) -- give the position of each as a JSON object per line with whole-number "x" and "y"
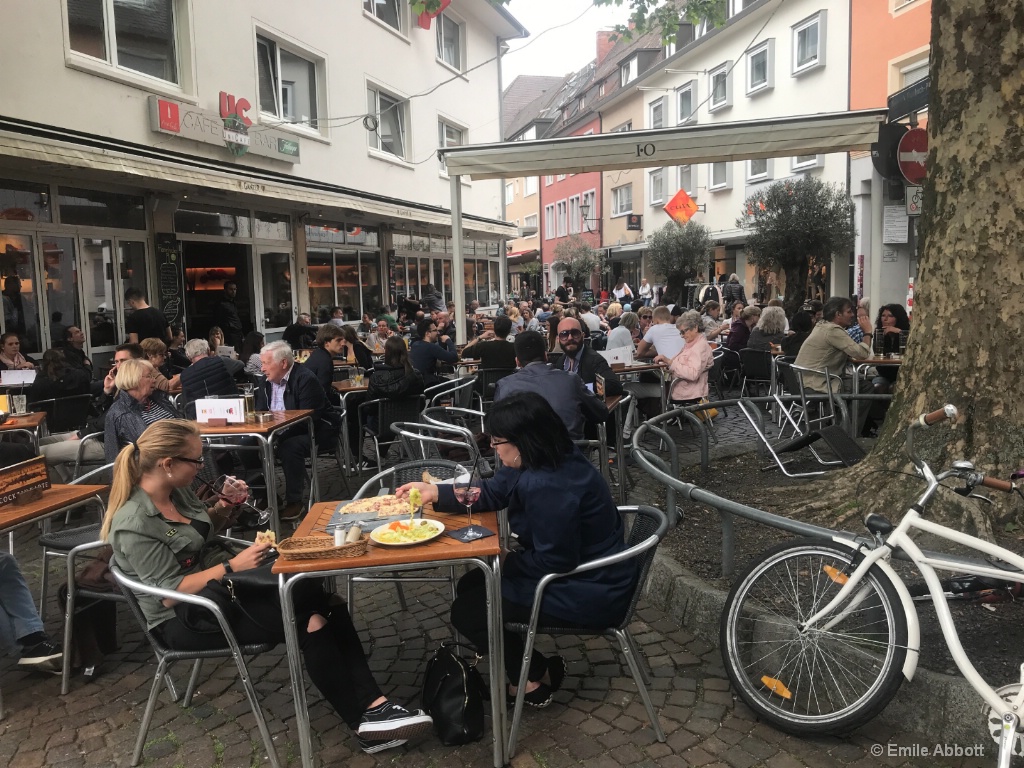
{"x": 604, "y": 44}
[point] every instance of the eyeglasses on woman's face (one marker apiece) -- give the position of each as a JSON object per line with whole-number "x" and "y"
{"x": 496, "y": 443}
{"x": 194, "y": 462}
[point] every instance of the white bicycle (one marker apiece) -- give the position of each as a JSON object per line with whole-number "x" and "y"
{"x": 817, "y": 636}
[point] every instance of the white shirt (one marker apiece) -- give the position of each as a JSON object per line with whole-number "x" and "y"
{"x": 666, "y": 339}
{"x": 619, "y": 337}
{"x": 277, "y": 392}
{"x": 593, "y": 321}
{"x": 620, "y": 292}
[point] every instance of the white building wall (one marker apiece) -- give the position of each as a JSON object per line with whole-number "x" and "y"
{"x": 58, "y": 87}
{"x": 822, "y": 89}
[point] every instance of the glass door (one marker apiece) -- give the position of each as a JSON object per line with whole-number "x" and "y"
{"x": 110, "y": 266}
{"x": 21, "y": 299}
{"x": 60, "y": 274}
{"x": 274, "y": 289}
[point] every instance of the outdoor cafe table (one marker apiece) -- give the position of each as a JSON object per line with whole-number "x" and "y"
{"x": 860, "y": 367}
{"x": 642, "y": 367}
{"x": 26, "y": 423}
{"x": 345, "y": 388}
{"x": 55, "y": 500}
{"x": 265, "y": 435}
{"x": 442, "y": 551}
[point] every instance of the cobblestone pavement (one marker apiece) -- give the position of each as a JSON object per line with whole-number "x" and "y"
{"x": 596, "y": 720}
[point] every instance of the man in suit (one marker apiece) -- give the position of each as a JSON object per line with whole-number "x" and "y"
{"x": 566, "y": 393}
{"x": 207, "y": 375}
{"x": 293, "y": 387}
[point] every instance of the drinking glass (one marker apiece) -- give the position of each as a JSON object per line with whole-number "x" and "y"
{"x": 19, "y": 404}
{"x": 235, "y": 491}
{"x": 467, "y": 491}
{"x": 249, "y": 396}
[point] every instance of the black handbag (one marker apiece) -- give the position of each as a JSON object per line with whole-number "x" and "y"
{"x": 454, "y": 695}
{"x": 228, "y": 595}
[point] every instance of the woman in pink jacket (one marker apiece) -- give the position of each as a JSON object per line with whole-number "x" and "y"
{"x": 690, "y": 367}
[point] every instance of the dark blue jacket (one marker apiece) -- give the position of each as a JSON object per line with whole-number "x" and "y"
{"x": 563, "y": 516}
{"x": 302, "y": 392}
{"x": 206, "y": 376}
{"x": 564, "y": 392}
{"x": 424, "y": 356}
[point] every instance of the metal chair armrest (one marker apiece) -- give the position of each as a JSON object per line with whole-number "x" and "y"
{"x": 181, "y": 597}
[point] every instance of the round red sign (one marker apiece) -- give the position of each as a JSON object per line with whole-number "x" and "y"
{"x": 912, "y": 153}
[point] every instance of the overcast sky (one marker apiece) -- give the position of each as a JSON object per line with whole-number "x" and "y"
{"x": 562, "y": 50}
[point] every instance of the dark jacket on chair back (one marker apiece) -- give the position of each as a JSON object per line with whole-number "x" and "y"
{"x": 207, "y": 376}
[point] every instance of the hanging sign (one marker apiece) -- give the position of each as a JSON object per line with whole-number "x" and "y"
{"x": 681, "y": 207}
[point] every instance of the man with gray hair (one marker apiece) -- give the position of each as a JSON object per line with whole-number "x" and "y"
{"x": 207, "y": 375}
{"x": 291, "y": 387}
{"x": 302, "y": 333}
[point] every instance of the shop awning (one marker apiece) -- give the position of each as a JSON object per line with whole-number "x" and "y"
{"x": 517, "y": 258}
{"x": 43, "y": 150}
{"x": 711, "y": 143}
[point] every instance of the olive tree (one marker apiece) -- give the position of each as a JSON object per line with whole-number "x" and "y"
{"x": 577, "y": 259}
{"x": 678, "y": 252}
{"x": 791, "y": 224}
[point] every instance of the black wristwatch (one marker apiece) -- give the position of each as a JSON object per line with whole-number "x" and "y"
{"x": 227, "y": 568}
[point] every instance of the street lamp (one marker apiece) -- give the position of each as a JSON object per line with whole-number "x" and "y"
{"x": 584, "y": 214}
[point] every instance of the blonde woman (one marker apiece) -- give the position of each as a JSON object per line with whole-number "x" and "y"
{"x": 156, "y": 354}
{"x": 161, "y": 534}
{"x": 517, "y": 320}
{"x": 138, "y": 404}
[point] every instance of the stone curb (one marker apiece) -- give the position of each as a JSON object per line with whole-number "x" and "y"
{"x": 941, "y": 708}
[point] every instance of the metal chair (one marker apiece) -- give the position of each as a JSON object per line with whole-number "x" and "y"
{"x": 648, "y": 528}
{"x": 64, "y": 414}
{"x": 457, "y": 392}
{"x": 487, "y": 379}
{"x": 436, "y": 441}
{"x": 388, "y": 411}
{"x": 80, "y": 460}
{"x": 731, "y": 371}
{"x": 387, "y": 481}
{"x": 166, "y": 657}
{"x": 756, "y": 366}
{"x": 470, "y": 422}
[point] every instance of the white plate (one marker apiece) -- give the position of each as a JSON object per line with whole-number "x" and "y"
{"x": 374, "y": 534}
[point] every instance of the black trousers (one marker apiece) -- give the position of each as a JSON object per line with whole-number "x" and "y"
{"x": 334, "y": 654}
{"x": 469, "y": 616}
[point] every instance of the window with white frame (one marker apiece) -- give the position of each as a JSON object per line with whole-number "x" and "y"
{"x": 686, "y": 103}
{"x": 912, "y": 73}
{"x": 735, "y": 6}
{"x": 387, "y": 11}
{"x": 720, "y": 83}
{"x": 622, "y": 200}
{"x": 626, "y": 126}
{"x": 761, "y": 67}
{"x": 449, "y": 41}
{"x": 392, "y": 118}
{"x": 758, "y": 170}
{"x": 549, "y": 222}
{"x": 807, "y": 162}
{"x": 720, "y": 175}
{"x": 510, "y": 193}
{"x": 600, "y": 90}
{"x": 449, "y": 135}
{"x": 288, "y": 83}
{"x": 549, "y": 180}
{"x": 686, "y": 179}
{"x": 588, "y": 211}
{"x": 560, "y": 177}
{"x": 628, "y": 71}
{"x": 530, "y": 186}
{"x": 140, "y": 36}
{"x": 656, "y": 114}
{"x": 560, "y": 218}
{"x": 809, "y": 43}
{"x": 657, "y": 186}
{"x": 530, "y": 222}
{"x": 574, "y": 215}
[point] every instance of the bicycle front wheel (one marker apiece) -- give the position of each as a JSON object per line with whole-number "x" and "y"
{"x": 832, "y": 677}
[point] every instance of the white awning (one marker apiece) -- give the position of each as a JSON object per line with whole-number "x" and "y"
{"x": 56, "y": 155}
{"x": 711, "y": 143}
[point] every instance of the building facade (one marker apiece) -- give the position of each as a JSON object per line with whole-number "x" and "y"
{"x": 176, "y": 146}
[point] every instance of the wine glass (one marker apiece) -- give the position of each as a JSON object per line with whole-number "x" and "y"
{"x": 467, "y": 491}
{"x": 236, "y": 492}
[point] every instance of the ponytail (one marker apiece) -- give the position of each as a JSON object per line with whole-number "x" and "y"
{"x": 126, "y": 477}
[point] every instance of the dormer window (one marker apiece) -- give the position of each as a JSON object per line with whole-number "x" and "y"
{"x": 628, "y": 72}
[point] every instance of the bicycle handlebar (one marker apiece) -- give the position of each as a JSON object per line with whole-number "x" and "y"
{"x": 944, "y": 413}
{"x": 999, "y": 485}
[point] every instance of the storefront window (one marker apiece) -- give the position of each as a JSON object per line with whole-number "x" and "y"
{"x": 420, "y": 243}
{"x": 61, "y": 275}
{"x": 469, "y": 279}
{"x": 424, "y": 276}
{"x": 346, "y": 275}
{"x": 481, "y": 283}
{"x": 132, "y": 262}
{"x": 399, "y": 276}
{"x": 273, "y": 226}
{"x": 321, "y": 285}
{"x": 492, "y": 284}
{"x": 447, "y": 265}
{"x": 276, "y": 286}
{"x": 401, "y": 241}
{"x": 93, "y": 208}
{"x": 369, "y": 271}
{"x": 98, "y": 292}
{"x": 194, "y": 219}
{"x": 325, "y": 233}
{"x": 21, "y": 201}
{"x": 20, "y": 298}
{"x": 361, "y": 235}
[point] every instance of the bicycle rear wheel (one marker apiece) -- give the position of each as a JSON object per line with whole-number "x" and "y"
{"x": 832, "y": 677}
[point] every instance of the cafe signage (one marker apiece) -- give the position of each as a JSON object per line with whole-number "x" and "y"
{"x": 229, "y": 127}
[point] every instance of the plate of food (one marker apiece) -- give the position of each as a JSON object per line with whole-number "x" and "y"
{"x": 405, "y": 533}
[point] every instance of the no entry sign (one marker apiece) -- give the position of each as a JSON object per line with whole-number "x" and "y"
{"x": 912, "y": 153}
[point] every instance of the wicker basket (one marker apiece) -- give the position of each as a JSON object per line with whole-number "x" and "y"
{"x": 318, "y": 548}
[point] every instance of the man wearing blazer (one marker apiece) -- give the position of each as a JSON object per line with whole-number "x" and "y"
{"x": 294, "y": 387}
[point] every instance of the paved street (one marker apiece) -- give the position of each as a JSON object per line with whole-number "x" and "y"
{"x": 596, "y": 720}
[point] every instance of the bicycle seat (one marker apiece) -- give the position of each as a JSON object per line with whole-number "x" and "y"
{"x": 878, "y": 524}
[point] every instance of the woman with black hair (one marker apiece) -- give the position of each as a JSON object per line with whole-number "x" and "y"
{"x": 891, "y": 328}
{"x": 801, "y": 327}
{"x": 353, "y": 350}
{"x": 563, "y": 515}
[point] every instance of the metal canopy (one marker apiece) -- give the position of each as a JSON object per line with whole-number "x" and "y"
{"x": 712, "y": 143}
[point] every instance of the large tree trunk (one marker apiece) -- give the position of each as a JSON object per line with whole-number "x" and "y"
{"x": 796, "y": 286}
{"x": 967, "y": 327}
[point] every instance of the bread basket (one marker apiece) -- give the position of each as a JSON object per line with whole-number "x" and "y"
{"x": 318, "y": 548}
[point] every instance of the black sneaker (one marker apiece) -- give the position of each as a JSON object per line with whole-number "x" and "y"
{"x": 42, "y": 655}
{"x": 372, "y": 746}
{"x": 391, "y": 721}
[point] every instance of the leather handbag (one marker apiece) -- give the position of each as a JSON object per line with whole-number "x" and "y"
{"x": 454, "y": 695}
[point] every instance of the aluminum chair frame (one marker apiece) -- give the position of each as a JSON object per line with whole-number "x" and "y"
{"x": 458, "y": 391}
{"x": 759, "y": 363}
{"x": 418, "y": 438}
{"x": 54, "y": 424}
{"x": 643, "y": 541}
{"x": 389, "y": 411}
{"x": 166, "y": 657}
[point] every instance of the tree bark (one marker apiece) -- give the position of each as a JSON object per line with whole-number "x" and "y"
{"x": 796, "y": 286}
{"x": 966, "y": 332}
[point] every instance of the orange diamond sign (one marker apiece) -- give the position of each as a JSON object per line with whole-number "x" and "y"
{"x": 681, "y": 207}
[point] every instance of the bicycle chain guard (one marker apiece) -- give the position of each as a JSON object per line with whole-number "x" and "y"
{"x": 994, "y": 721}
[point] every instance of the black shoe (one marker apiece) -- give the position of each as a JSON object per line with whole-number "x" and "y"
{"x": 292, "y": 511}
{"x": 556, "y": 672}
{"x": 44, "y": 655}
{"x": 538, "y": 698}
{"x": 390, "y": 721}
{"x": 372, "y": 746}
